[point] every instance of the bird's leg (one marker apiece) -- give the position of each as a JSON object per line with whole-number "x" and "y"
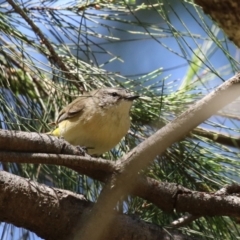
{"x": 83, "y": 149}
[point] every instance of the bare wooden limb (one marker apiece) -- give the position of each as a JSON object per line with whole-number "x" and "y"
{"x": 166, "y": 196}
{"x": 40, "y": 209}
{"x": 96, "y": 168}
{"x": 34, "y": 142}
{"x": 126, "y": 178}
{"x": 146, "y": 151}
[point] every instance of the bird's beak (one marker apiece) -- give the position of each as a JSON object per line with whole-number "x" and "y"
{"x": 131, "y": 97}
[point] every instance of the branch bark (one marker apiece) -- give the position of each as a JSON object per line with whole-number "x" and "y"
{"x": 125, "y": 176}
{"x": 226, "y": 14}
{"x": 34, "y": 142}
{"x": 221, "y": 138}
{"x": 145, "y": 152}
{"x": 40, "y": 209}
{"x": 167, "y": 196}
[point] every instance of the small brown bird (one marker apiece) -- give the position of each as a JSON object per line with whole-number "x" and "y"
{"x": 97, "y": 120}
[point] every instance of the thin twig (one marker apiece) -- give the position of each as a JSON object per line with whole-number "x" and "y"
{"x": 218, "y": 137}
{"x": 183, "y": 221}
{"x": 44, "y": 40}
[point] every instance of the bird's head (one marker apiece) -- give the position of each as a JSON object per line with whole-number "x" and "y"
{"x": 114, "y": 98}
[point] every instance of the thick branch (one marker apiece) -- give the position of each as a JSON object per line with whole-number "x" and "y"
{"x": 139, "y": 157}
{"x": 167, "y": 196}
{"x": 226, "y": 14}
{"x": 95, "y": 168}
{"x": 145, "y": 152}
{"x": 34, "y": 142}
{"x": 40, "y": 209}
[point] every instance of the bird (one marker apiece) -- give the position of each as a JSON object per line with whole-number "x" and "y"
{"x": 96, "y": 120}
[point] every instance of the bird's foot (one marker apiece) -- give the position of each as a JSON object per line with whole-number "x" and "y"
{"x": 83, "y": 150}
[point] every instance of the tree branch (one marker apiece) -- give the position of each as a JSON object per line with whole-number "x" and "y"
{"x": 222, "y": 138}
{"x": 96, "y": 168}
{"x": 34, "y": 142}
{"x": 163, "y": 195}
{"x": 62, "y": 208}
{"x": 126, "y": 169}
{"x": 145, "y": 152}
{"x": 226, "y": 14}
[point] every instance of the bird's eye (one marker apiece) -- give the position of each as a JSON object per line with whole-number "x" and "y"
{"x": 114, "y": 94}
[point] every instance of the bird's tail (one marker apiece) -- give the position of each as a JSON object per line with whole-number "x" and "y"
{"x": 54, "y": 132}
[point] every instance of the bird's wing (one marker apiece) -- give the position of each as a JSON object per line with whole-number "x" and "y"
{"x": 72, "y": 110}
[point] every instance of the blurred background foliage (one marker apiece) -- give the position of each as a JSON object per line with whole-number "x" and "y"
{"x": 167, "y": 51}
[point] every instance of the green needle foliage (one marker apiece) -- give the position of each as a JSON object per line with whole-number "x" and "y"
{"x": 34, "y": 87}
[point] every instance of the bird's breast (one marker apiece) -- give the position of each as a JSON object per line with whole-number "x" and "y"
{"x": 99, "y": 131}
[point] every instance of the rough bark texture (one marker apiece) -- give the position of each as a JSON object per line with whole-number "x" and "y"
{"x": 102, "y": 220}
{"x": 49, "y": 212}
{"x": 226, "y": 14}
{"x": 53, "y": 213}
{"x": 139, "y": 157}
{"x": 41, "y": 143}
